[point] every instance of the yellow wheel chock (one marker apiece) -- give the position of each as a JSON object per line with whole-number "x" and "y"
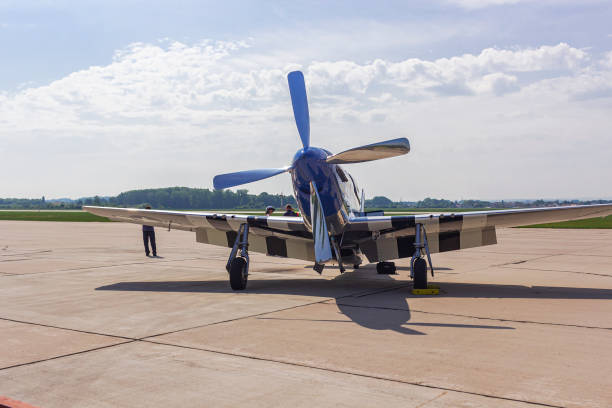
{"x": 431, "y": 290}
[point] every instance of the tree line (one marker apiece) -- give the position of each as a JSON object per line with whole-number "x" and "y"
{"x": 185, "y": 198}
{"x": 385, "y": 203}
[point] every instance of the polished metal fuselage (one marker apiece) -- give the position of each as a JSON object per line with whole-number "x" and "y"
{"x": 338, "y": 193}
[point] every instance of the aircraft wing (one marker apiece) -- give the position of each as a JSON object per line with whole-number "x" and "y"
{"x": 276, "y": 236}
{"x": 384, "y": 238}
{"x": 380, "y": 238}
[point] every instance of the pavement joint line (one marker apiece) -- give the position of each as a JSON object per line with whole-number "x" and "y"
{"x": 28, "y": 253}
{"x": 515, "y": 253}
{"x": 557, "y": 270}
{"x": 326, "y": 299}
{"x": 362, "y": 375}
{"x": 66, "y": 355}
{"x": 234, "y": 319}
{"x": 592, "y": 255}
{"x": 139, "y": 339}
{"x": 474, "y": 317}
{"x": 103, "y": 266}
{"x": 6, "y": 319}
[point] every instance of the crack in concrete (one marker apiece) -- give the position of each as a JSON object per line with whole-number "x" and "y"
{"x": 431, "y": 400}
{"x": 557, "y": 270}
{"x": 525, "y": 260}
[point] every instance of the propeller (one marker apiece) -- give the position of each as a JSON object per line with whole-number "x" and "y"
{"x": 243, "y": 177}
{"x": 374, "y": 151}
{"x": 320, "y": 235}
{"x": 299, "y": 100}
{"x": 297, "y": 89}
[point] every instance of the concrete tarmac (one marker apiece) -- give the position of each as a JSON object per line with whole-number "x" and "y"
{"x": 86, "y": 320}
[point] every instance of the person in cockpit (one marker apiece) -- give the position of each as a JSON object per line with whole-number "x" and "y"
{"x": 289, "y": 211}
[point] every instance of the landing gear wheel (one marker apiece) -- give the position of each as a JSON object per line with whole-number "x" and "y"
{"x": 420, "y": 273}
{"x": 238, "y": 273}
{"x": 356, "y": 266}
{"x": 385, "y": 268}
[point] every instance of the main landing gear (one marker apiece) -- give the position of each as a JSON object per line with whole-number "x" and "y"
{"x": 418, "y": 265}
{"x": 238, "y": 266}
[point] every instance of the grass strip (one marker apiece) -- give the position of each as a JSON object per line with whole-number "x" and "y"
{"x": 82, "y": 216}
{"x": 64, "y": 216}
{"x": 587, "y": 223}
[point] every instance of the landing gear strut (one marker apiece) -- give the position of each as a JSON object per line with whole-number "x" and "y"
{"x": 238, "y": 266}
{"x": 418, "y": 266}
{"x": 336, "y": 248}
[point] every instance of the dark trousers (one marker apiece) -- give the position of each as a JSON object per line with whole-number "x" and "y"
{"x": 146, "y": 236}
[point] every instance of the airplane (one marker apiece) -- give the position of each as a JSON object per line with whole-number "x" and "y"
{"x": 334, "y": 226}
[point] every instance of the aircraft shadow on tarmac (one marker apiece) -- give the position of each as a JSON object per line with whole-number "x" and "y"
{"x": 377, "y": 304}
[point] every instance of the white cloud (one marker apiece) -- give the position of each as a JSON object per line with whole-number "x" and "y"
{"x": 178, "y": 114}
{"x": 607, "y": 59}
{"x": 154, "y": 85}
{"x": 497, "y": 83}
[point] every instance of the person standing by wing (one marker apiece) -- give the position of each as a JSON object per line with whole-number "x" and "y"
{"x": 148, "y": 234}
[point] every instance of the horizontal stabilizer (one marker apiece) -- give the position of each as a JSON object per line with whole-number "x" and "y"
{"x": 243, "y": 177}
{"x": 375, "y": 151}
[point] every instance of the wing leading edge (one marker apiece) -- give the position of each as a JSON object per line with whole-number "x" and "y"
{"x": 275, "y": 236}
{"x": 380, "y": 238}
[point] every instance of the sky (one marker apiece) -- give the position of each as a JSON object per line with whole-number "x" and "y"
{"x": 500, "y": 99}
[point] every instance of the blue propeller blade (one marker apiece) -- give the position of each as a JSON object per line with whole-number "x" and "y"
{"x": 243, "y": 177}
{"x": 297, "y": 88}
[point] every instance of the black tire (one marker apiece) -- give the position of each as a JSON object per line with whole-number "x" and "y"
{"x": 385, "y": 268}
{"x": 238, "y": 274}
{"x": 356, "y": 266}
{"x": 419, "y": 269}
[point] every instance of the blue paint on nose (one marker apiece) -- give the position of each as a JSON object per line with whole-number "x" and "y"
{"x": 310, "y": 165}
